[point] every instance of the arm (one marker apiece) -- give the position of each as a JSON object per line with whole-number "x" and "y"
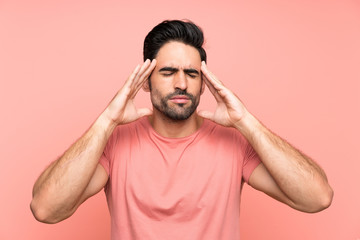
{"x": 286, "y": 174}
{"x": 77, "y": 174}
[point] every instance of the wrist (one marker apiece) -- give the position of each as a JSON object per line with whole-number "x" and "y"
{"x": 105, "y": 123}
{"x": 248, "y": 125}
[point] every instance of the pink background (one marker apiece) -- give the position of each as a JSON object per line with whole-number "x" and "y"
{"x": 295, "y": 64}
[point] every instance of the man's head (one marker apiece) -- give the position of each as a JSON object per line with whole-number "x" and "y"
{"x": 176, "y": 82}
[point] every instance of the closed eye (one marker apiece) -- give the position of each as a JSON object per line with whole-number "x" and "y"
{"x": 166, "y": 74}
{"x": 168, "y": 71}
{"x": 192, "y": 75}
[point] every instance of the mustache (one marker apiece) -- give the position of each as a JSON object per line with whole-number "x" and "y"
{"x": 180, "y": 92}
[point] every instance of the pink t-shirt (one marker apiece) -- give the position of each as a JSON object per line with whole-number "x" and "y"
{"x": 176, "y": 188}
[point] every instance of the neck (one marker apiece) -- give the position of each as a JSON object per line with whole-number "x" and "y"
{"x": 170, "y": 128}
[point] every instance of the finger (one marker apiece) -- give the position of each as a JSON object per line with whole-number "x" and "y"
{"x": 142, "y": 78}
{"x": 212, "y": 89}
{"x": 143, "y": 67}
{"x": 132, "y": 76}
{"x": 126, "y": 89}
{"x": 218, "y": 85}
{"x": 145, "y": 75}
{"x": 133, "y": 85}
{"x": 206, "y": 114}
{"x": 144, "y": 112}
{"x": 211, "y": 74}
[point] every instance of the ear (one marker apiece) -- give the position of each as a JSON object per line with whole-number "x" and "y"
{"x": 146, "y": 86}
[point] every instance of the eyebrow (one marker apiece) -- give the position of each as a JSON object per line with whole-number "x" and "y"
{"x": 172, "y": 69}
{"x": 168, "y": 69}
{"x": 191, "y": 70}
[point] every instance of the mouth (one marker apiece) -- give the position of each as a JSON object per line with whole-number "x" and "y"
{"x": 180, "y": 99}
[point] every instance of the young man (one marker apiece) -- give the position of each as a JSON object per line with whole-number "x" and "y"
{"x": 170, "y": 172}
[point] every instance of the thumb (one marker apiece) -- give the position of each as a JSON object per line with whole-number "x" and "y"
{"x": 206, "y": 114}
{"x": 144, "y": 112}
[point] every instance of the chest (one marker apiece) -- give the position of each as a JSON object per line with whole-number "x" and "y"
{"x": 178, "y": 180}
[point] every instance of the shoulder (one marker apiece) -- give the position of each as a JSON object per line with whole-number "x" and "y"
{"x": 130, "y": 129}
{"x": 221, "y": 133}
{"x": 219, "y": 129}
{"x": 139, "y": 123}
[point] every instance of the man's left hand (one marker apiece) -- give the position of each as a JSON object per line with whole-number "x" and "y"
{"x": 229, "y": 110}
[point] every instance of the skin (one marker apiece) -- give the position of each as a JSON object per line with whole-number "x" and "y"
{"x": 178, "y": 68}
{"x": 285, "y": 173}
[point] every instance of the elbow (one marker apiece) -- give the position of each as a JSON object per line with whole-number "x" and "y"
{"x": 42, "y": 214}
{"x": 327, "y": 198}
{"x": 39, "y": 213}
{"x": 323, "y": 201}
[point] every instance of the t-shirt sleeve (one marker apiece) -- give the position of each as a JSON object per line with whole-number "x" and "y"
{"x": 251, "y": 161}
{"x": 104, "y": 161}
{"x": 106, "y": 156}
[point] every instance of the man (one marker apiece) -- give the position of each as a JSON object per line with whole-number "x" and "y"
{"x": 172, "y": 172}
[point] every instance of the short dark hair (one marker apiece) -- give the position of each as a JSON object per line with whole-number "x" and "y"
{"x": 173, "y": 30}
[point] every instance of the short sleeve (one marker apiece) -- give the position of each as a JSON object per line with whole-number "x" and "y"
{"x": 251, "y": 161}
{"x": 104, "y": 161}
{"x": 106, "y": 156}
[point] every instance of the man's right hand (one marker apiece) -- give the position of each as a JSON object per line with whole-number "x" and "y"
{"x": 121, "y": 109}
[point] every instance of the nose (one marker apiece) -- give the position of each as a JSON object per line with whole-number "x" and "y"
{"x": 180, "y": 81}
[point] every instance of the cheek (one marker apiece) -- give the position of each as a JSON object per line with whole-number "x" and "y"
{"x": 160, "y": 83}
{"x": 198, "y": 87}
{"x": 155, "y": 95}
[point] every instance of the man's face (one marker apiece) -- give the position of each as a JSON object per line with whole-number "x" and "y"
{"x": 176, "y": 83}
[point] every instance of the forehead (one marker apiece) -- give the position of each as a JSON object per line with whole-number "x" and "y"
{"x": 179, "y": 55}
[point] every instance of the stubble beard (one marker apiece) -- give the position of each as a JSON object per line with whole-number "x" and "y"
{"x": 179, "y": 112}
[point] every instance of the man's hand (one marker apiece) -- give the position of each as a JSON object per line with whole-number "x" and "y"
{"x": 121, "y": 109}
{"x": 230, "y": 110}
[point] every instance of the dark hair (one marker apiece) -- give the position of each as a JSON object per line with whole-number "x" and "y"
{"x": 173, "y": 30}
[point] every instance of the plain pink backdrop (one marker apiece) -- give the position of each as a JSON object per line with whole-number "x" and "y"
{"x": 295, "y": 64}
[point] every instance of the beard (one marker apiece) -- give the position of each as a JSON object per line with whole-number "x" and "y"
{"x": 179, "y": 111}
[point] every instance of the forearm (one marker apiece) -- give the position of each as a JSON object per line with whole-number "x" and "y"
{"x": 59, "y": 188}
{"x": 297, "y": 175}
